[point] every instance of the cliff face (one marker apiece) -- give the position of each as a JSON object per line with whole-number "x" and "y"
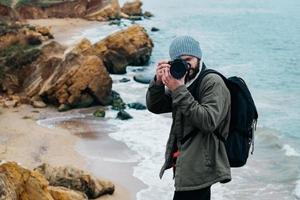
{"x": 7, "y": 13}
{"x": 99, "y": 10}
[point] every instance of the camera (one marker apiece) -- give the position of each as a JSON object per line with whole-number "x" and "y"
{"x": 179, "y": 68}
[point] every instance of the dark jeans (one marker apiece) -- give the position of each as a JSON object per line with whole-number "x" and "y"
{"x": 202, "y": 194}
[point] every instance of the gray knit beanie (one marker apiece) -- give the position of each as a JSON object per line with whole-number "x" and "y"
{"x": 185, "y": 45}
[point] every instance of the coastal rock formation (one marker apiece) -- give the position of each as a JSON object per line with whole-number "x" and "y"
{"x": 93, "y": 10}
{"x": 21, "y": 34}
{"x": 132, "y": 8}
{"x": 18, "y": 183}
{"x": 7, "y": 13}
{"x": 76, "y": 80}
{"x": 62, "y": 193}
{"x": 131, "y": 46}
{"x": 75, "y": 179}
{"x": 104, "y": 13}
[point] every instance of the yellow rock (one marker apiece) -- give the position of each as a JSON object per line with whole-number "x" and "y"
{"x": 62, "y": 193}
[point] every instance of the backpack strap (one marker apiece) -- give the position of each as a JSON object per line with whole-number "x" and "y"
{"x": 198, "y": 81}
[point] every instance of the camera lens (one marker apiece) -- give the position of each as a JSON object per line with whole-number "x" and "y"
{"x": 178, "y": 68}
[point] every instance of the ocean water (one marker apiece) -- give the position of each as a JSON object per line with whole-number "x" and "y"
{"x": 257, "y": 40}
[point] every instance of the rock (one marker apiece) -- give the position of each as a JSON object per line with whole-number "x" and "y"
{"x": 85, "y": 101}
{"x": 141, "y": 78}
{"x": 10, "y": 104}
{"x": 124, "y": 80}
{"x": 131, "y": 46}
{"x": 117, "y": 102}
{"x": 135, "y": 18}
{"x": 148, "y": 14}
{"x": 137, "y": 106}
{"x": 99, "y": 112}
{"x": 45, "y": 31}
{"x": 6, "y": 12}
{"x": 64, "y": 107}
{"x": 62, "y": 193}
{"x": 108, "y": 10}
{"x": 18, "y": 183}
{"x": 20, "y": 58}
{"x": 53, "y": 49}
{"x": 123, "y": 115}
{"x": 56, "y": 9}
{"x": 11, "y": 84}
{"x": 154, "y": 29}
{"x": 115, "y": 22}
{"x": 33, "y": 40}
{"x": 84, "y": 47}
{"x": 76, "y": 76}
{"x": 39, "y": 104}
{"x": 133, "y": 8}
{"x": 75, "y": 179}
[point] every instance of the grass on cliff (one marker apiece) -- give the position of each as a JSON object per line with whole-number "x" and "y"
{"x": 7, "y": 3}
{"x": 39, "y": 3}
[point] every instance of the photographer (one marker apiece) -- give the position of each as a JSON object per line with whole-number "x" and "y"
{"x": 198, "y": 161}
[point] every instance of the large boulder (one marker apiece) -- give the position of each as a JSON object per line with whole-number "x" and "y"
{"x": 76, "y": 79}
{"x": 131, "y": 46}
{"x": 51, "y": 57}
{"x": 18, "y": 183}
{"x": 108, "y": 11}
{"x": 132, "y": 8}
{"x": 75, "y": 179}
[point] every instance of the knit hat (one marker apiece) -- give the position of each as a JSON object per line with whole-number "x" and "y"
{"x": 185, "y": 45}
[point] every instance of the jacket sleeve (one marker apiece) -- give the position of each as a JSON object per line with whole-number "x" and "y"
{"x": 157, "y": 100}
{"x": 213, "y": 107}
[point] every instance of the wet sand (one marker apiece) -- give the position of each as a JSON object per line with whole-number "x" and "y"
{"x": 26, "y": 142}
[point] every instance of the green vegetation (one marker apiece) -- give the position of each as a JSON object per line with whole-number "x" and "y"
{"x": 6, "y": 2}
{"x": 6, "y": 28}
{"x": 20, "y": 58}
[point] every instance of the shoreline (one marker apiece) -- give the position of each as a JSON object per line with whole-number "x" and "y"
{"x": 114, "y": 158}
{"x": 26, "y": 142}
{"x": 69, "y": 31}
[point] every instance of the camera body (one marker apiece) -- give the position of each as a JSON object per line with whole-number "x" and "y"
{"x": 179, "y": 68}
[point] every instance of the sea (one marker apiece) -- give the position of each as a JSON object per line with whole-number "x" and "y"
{"x": 258, "y": 40}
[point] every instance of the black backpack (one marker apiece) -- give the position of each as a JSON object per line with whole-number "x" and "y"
{"x": 243, "y": 119}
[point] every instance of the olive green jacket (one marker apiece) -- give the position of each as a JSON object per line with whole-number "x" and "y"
{"x": 203, "y": 159}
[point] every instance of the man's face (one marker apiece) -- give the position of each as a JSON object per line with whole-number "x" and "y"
{"x": 194, "y": 69}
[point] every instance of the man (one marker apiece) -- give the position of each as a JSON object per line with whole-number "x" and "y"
{"x": 199, "y": 160}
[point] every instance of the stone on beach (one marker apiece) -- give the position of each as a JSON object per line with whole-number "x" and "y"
{"x": 75, "y": 179}
{"x": 137, "y": 106}
{"x": 99, "y": 112}
{"x": 63, "y": 193}
{"x": 18, "y": 183}
{"x": 123, "y": 115}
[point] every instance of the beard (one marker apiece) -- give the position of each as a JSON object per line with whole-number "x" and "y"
{"x": 192, "y": 72}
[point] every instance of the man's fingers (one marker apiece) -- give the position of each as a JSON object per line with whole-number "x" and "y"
{"x": 163, "y": 62}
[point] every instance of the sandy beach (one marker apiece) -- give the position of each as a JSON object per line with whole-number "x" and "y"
{"x": 24, "y": 141}
{"x": 69, "y": 31}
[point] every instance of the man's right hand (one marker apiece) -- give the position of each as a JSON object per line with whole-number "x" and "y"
{"x": 162, "y": 67}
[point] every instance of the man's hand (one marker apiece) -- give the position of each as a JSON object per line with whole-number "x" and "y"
{"x": 170, "y": 81}
{"x": 161, "y": 66}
